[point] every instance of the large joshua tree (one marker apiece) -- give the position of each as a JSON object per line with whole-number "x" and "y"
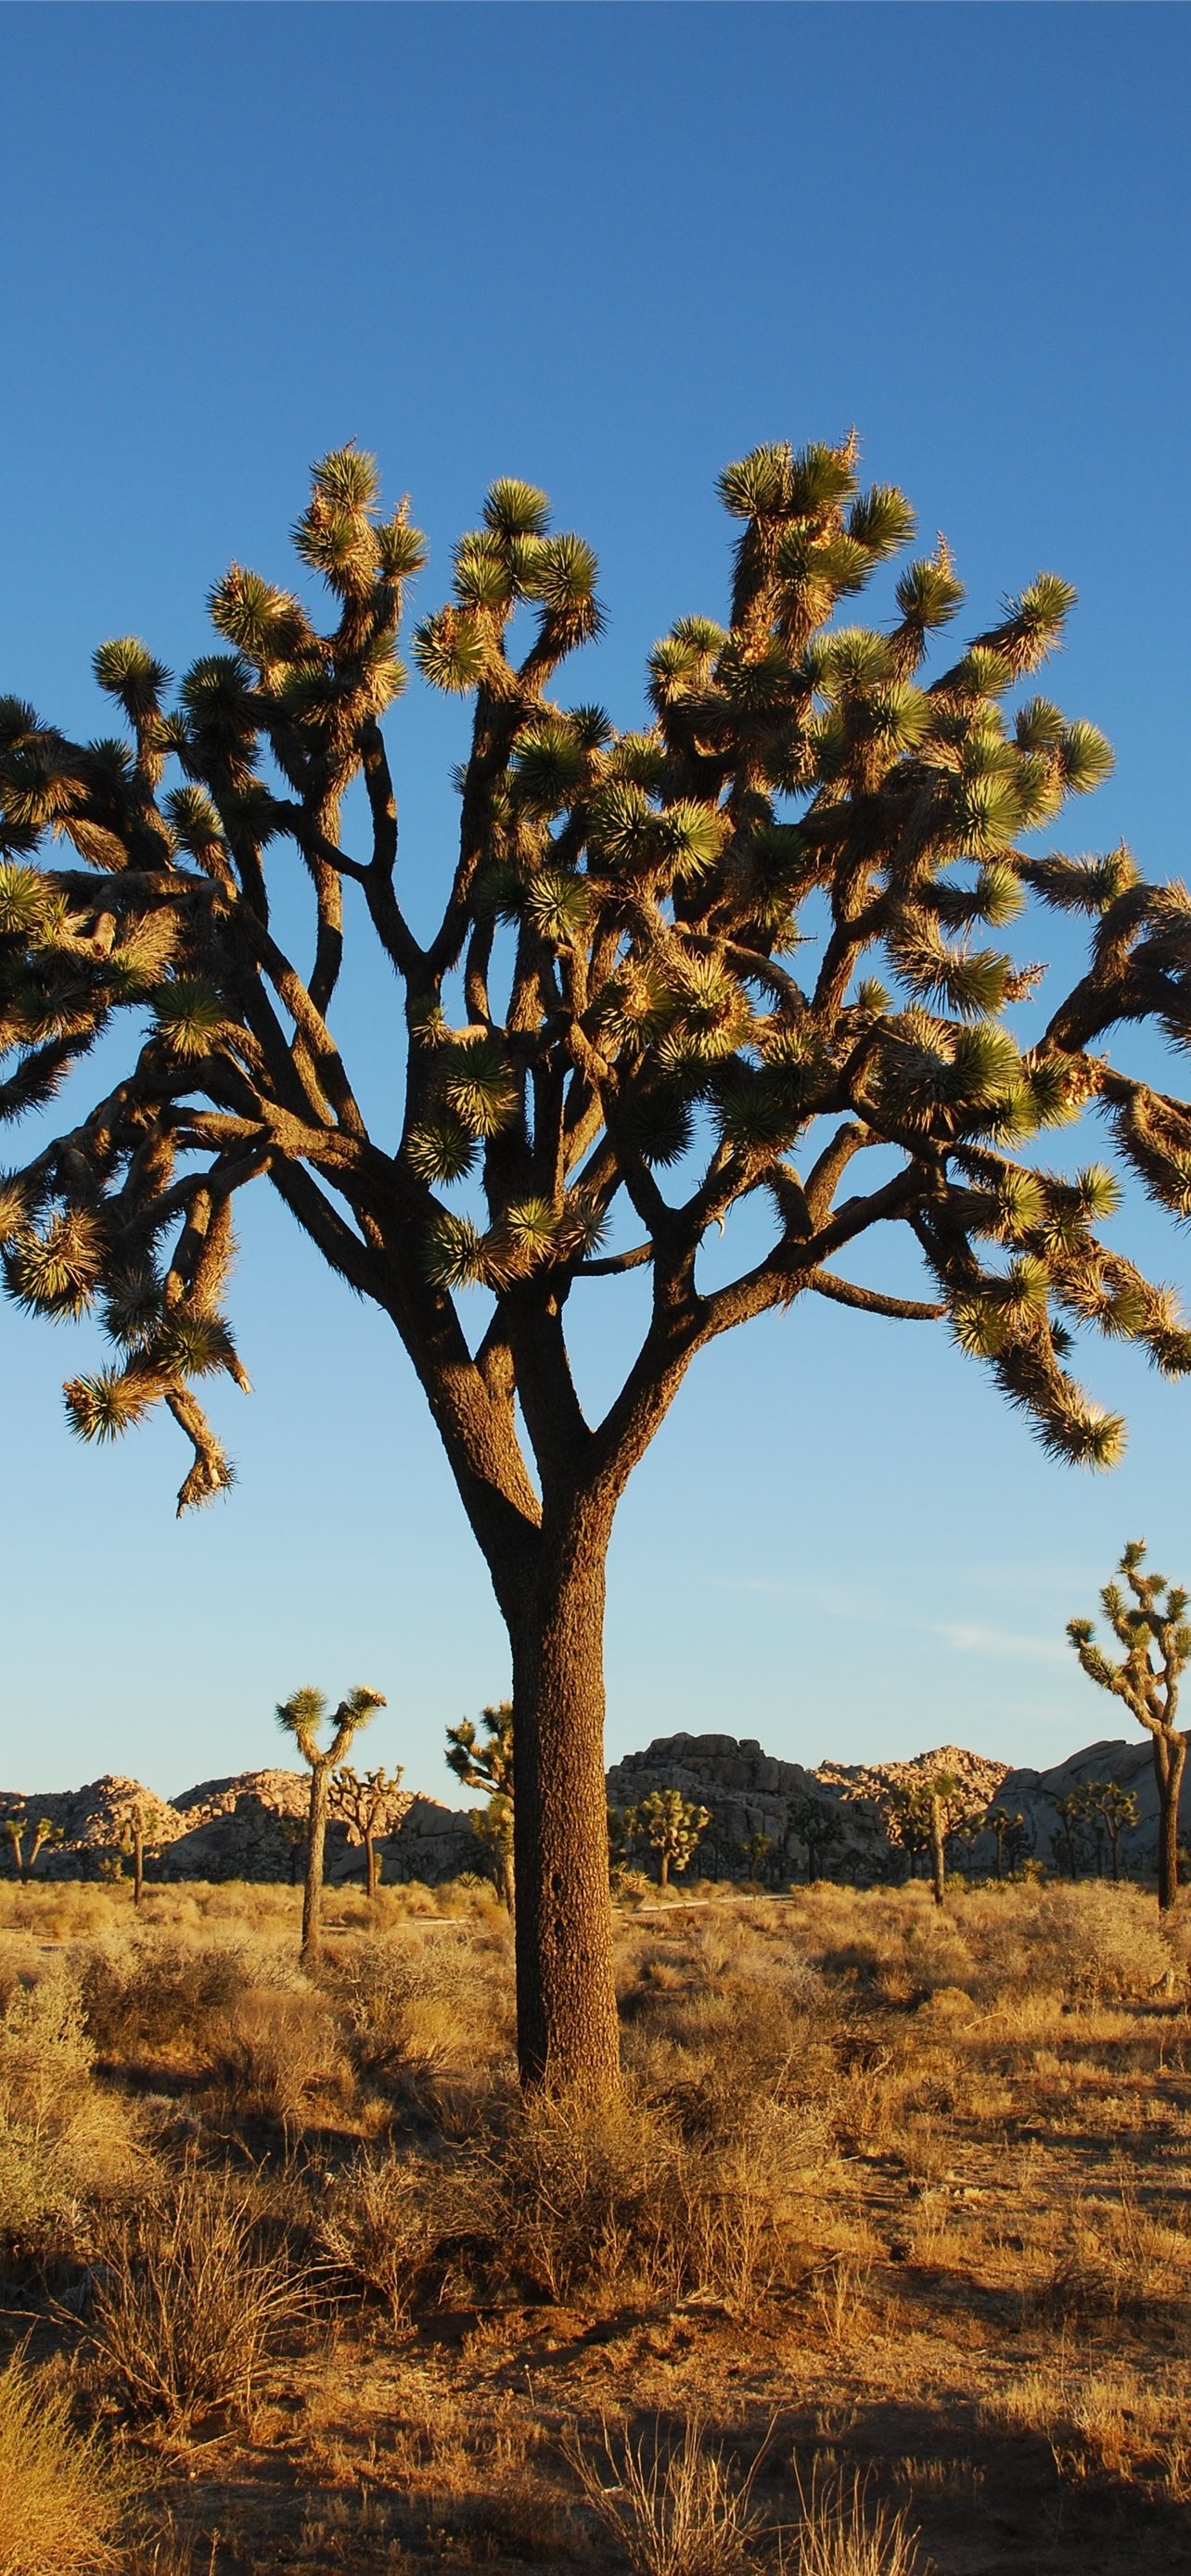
{"x": 610, "y": 1041}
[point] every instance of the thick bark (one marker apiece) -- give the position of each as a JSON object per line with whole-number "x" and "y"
{"x": 312, "y": 1900}
{"x": 1170, "y": 1755}
{"x": 567, "y": 2034}
{"x": 371, "y": 1866}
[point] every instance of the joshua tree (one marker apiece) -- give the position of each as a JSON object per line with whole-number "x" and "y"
{"x": 819, "y": 1827}
{"x": 672, "y": 1827}
{"x": 756, "y": 1847}
{"x": 489, "y": 1766}
{"x": 295, "y": 1834}
{"x": 1116, "y": 1810}
{"x": 302, "y": 1716}
{"x": 920, "y": 1818}
{"x": 907, "y": 1820}
{"x": 622, "y": 1833}
{"x": 1007, "y": 1827}
{"x": 23, "y": 1829}
{"x": 133, "y": 1823}
{"x": 375, "y": 1804}
{"x": 609, "y": 996}
{"x": 492, "y": 1825}
{"x": 1069, "y": 1842}
{"x": 1149, "y": 1619}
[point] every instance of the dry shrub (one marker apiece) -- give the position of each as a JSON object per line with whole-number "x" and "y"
{"x": 60, "y": 2503}
{"x": 63, "y": 2141}
{"x": 279, "y": 2056}
{"x": 382, "y": 2224}
{"x": 719, "y": 2023}
{"x": 672, "y": 2504}
{"x": 189, "y": 2304}
{"x": 1086, "y": 1943}
{"x": 158, "y": 1992}
{"x": 590, "y": 2199}
{"x": 410, "y": 2003}
{"x": 582, "y": 2195}
{"x": 840, "y": 2533}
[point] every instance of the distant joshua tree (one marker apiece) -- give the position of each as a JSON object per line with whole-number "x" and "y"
{"x": 756, "y": 1847}
{"x": 133, "y": 1827}
{"x": 818, "y": 1826}
{"x": 489, "y": 1766}
{"x": 921, "y": 1814}
{"x": 672, "y": 1827}
{"x": 35, "y": 1831}
{"x": 1007, "y": 1827}
{"x": 1069, "y": 1841}
{"x": 1153, "y": 1630}
{"x": 1115, "y": 1809}
{"x": 302, "y": 1716}
{"x": 622, "y": 1826}
{"x": 373, "y": 1805}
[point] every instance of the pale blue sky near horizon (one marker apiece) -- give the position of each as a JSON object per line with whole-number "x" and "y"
{"x": 608, "y": 248}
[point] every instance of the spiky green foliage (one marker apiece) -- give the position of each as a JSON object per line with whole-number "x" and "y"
{"x": 671, "y": 1827}
{"x": 650, "y": 1016}
{"x": 486, "y": 1762}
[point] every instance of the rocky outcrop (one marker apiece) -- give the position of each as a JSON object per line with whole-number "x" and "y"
{"x": 248, "y": 1826}
{"x": 809, "y": 1820}
{"x": 1035, "y": 1795}
{"x": 827, "y": 1821}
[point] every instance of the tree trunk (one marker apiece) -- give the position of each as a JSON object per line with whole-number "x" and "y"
{"x": 567, "y": 2033}
{"x": 1170, "y": 1754}
{"x": 138, "y": 1867}
{"x": 312, "y": 1900}
{"x": 938, "y": 1865}
{"x": 371, "y": 1867}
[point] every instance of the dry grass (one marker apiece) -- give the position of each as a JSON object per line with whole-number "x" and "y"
{"x": 61, "y": 2504}
{"x": 671, "y": 2504}
{"x": 188, "y": 2304}
{"x": 841, "y": 2532}
{"x": 913, "y": 2186}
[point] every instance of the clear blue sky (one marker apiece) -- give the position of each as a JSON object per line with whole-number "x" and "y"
{"x": 607, "y": 248}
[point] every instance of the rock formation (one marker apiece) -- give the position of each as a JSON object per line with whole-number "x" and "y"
{"x": 249, "y": 1826}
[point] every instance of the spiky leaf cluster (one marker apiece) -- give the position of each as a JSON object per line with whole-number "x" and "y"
{"x": 617, "y": 1030}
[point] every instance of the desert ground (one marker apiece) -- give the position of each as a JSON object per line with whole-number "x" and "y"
{"x": 883, "y": 2265}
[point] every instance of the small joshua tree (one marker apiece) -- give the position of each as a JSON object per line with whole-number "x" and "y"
{"x": 295, "y": 1834}
{"x": 21, "y": 1829}
{"x": 489, "y": 1766}
{"x": 375, "y": 1804}
{"x": 1007, "y": 1827}
{"x": 672, "y": 1827}
{"x": 921, "y": 1815}
{"x": 1115, "y": 1809}
{"x": 818, "y": 1827}
{"x": 622, "y": 1833}
{"x": 756, "y": 1847}
{"x": 302, "y": 1716}
{"x": 907, "y": 1820}
{"x": 1069, "y": 1841}
{"x": 1149, "y": 1620}
{"x": 132, "y": 1825}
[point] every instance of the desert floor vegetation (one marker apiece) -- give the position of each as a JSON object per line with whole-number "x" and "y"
{"x": 881, "y": 2265}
